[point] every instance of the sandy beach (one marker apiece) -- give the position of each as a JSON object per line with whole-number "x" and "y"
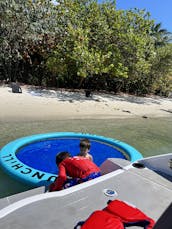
{"x": 36, "y": 104}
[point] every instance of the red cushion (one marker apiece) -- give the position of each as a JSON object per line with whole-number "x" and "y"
{"x": 128, "y": 213}
{"x": 102, "y": 220}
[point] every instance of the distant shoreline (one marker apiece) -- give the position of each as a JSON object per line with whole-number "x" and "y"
{"x": 42, "y": 104}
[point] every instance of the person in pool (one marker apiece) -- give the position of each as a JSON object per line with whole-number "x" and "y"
{"x": 80, "y": 169}
{"x": 85, "y": 146}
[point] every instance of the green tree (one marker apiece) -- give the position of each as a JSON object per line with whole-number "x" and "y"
{"x": 23, "y": 26}
{"x": 84, "y": 47}
{"x": 64, "y": 44}
{"x": 135, "y": 48}
{"x": 160, "y": 76}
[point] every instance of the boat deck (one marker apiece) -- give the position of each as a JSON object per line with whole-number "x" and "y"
{"x": 143, "y": 188}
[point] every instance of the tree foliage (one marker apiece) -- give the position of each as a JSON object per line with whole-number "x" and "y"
{"x": 23, "y": 27}
{"x": 80, "y": 43}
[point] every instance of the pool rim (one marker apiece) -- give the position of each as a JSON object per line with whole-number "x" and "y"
{"x": 12, "y": 147}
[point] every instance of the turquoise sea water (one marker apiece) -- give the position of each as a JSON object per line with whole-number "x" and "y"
{"x": 151, "y": 136}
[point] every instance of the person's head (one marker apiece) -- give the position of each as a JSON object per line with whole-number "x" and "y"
{"x": 85, "y": 144}
{"x": 61, "y": 156}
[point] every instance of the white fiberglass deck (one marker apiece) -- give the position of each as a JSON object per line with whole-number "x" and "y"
{"x": 143, "y": 188}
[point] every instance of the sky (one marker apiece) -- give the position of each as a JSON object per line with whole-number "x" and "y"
{"x": 160, "y": 10}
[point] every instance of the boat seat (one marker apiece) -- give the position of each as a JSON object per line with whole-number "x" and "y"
{"x": 113, "y": 164}
{"x": 165, "y": 220}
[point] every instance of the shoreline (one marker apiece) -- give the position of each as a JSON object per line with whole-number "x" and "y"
{"x": 36, "y": 104}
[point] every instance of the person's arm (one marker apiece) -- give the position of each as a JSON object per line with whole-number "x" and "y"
{"x": 60, "y": 180}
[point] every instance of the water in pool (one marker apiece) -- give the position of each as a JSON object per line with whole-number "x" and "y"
{"x": 41, "y": 154}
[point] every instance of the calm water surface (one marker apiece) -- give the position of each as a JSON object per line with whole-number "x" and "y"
{"x": 151, "y": 136}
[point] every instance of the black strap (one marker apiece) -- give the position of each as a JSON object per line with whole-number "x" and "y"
{"x": 79, "y": 224}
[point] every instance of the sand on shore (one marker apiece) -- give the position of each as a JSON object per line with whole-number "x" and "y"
{"x": 36, "y": 104}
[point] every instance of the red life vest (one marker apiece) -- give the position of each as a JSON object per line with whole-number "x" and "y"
{"x": 102, "y": 220}
{"x": 117, "y": 215}
{"x": 128, "y": 214}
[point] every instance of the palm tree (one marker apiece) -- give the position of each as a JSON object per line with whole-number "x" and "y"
{"x": 161, "y": 36}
